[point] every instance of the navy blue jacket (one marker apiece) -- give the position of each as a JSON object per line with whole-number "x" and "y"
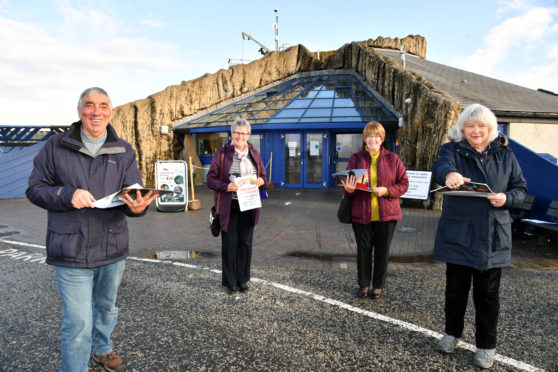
{"x": 472, "y": 232}
{"x": 88, "y": 237}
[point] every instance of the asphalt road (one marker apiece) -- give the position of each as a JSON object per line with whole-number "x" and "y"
{"x": 175, "y": 316}
{"x": 301, "y": 314}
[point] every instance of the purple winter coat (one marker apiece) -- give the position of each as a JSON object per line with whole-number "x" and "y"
{"x": 390, "y": 174}
{"x": 219, "y": 186}
{"x": 88, "y": 237}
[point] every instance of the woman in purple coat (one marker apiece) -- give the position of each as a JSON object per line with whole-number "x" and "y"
{"x": 237, "y": 159}
{"x": 374, "y": 214}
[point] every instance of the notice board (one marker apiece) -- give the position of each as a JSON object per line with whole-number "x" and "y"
{"x": 172, "y": 175}
{"x": 419, "y": 185}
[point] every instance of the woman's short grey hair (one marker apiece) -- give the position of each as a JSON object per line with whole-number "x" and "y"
{"x": 475, "y": 112}
{"x": 89, "y": 92}
{"x": 242, "y": 123}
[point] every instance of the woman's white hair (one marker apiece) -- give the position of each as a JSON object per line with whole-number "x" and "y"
{"x": 239, "y": 122}
{"x": 475, "y": 112}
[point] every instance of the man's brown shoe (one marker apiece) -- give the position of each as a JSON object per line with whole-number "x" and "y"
{"x": 111, "y": 362}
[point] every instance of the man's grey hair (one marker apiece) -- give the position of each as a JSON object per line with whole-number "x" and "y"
{"x": 240, "y": 123}
{"x": 89, "y": 92}
{"x": 476, "y": 113}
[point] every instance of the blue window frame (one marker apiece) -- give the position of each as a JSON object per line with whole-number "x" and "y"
{"x": 503, "y": 128}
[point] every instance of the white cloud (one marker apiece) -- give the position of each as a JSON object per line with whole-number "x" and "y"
{"x": 514, "y": 32}
{"x": 507, "y": 5}
{"x": 41, "y": 74}
{"x": 89, "y": 20}
{"x": 154, "y": 23}
{"x": 3, "y": 6}
{"x": 543, "y": 76}
{"x": 517, "y": 40}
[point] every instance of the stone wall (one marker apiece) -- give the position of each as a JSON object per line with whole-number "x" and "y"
{"x": 426, "y": 118}
{"x": 139, "y": 122}
{"x": 414, "y": 44}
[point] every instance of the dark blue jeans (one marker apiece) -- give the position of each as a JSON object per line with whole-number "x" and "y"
{"x": 486, "y": 297}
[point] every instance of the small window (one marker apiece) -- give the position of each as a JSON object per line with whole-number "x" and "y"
{"x": 347, "y": 144}
{"x": 255, "y": 141}
{"x": 207, "y": 144}
{"x": 503, "y": 128}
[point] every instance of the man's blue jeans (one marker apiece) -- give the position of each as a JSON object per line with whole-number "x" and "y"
{"x": 89, "y": 314}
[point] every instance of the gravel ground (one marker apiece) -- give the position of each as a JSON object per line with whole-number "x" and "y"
{"x": 178, "y": 318}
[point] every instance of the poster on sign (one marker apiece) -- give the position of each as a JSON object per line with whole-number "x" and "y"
{"x": 419, "y": 185}
{"x": 248, "y": 193}
{"x": 171, "y": 175}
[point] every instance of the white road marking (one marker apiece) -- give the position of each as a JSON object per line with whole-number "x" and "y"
{"x": 400, "y": 323}
{"x": 15, "y": 242}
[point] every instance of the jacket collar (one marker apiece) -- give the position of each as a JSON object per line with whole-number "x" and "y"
{"x": 230, "y": 148}
{"x": 495, "y": 146}
{"x": 382, "y": 151}
{"x": 73, "y": 141}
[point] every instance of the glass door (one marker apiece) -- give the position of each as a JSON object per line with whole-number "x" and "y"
{"x": 304, "y": 160}
{"x": 313, "y": 175}
{"x": 293, "y": 159}
{"x": 346, "y": 144}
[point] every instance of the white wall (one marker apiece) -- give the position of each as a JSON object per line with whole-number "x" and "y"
{"x": 541, "y": 138}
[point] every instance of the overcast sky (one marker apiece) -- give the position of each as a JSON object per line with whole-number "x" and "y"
{"x": 50, "y": 51}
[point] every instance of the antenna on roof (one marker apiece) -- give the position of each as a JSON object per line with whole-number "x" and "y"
{"x": 263, "y": 49}
{"x": 276, "y": 28}
{"x": 402, "y": 55}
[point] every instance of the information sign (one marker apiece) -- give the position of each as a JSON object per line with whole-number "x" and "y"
{"x": 172, "y": 175}
{"x": 419, "y": 185}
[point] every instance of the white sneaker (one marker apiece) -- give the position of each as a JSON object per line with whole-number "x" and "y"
{"x": 448, "y": 343}
{"x": 484, "y": 358}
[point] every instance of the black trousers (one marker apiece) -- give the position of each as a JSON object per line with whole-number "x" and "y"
{"x": 486, "y": 297}
{"x": 374, "y": 237}
{"x": 236, "y": 247}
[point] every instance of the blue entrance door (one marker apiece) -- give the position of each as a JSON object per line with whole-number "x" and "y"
{"x": 305, "y": 159}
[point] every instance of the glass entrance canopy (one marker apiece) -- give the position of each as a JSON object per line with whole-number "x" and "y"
{"x": 329, "y": 99}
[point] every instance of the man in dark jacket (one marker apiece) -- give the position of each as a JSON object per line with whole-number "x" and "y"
{"x": 87, "y": 245}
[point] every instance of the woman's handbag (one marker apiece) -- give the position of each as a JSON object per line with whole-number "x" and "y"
{"x": 214, "y": 224}
{"x": 344, "y": 211}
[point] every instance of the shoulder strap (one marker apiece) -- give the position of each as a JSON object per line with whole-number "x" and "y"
{"x": 221, "y": 177}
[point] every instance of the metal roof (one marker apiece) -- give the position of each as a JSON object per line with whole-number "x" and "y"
{"x": 505, "y": 99}
{"x": 15, "y": 168}
{"x": 18, "y": 147}
{"x": 12, "y": 136}
{"x": 327, "y": 98}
